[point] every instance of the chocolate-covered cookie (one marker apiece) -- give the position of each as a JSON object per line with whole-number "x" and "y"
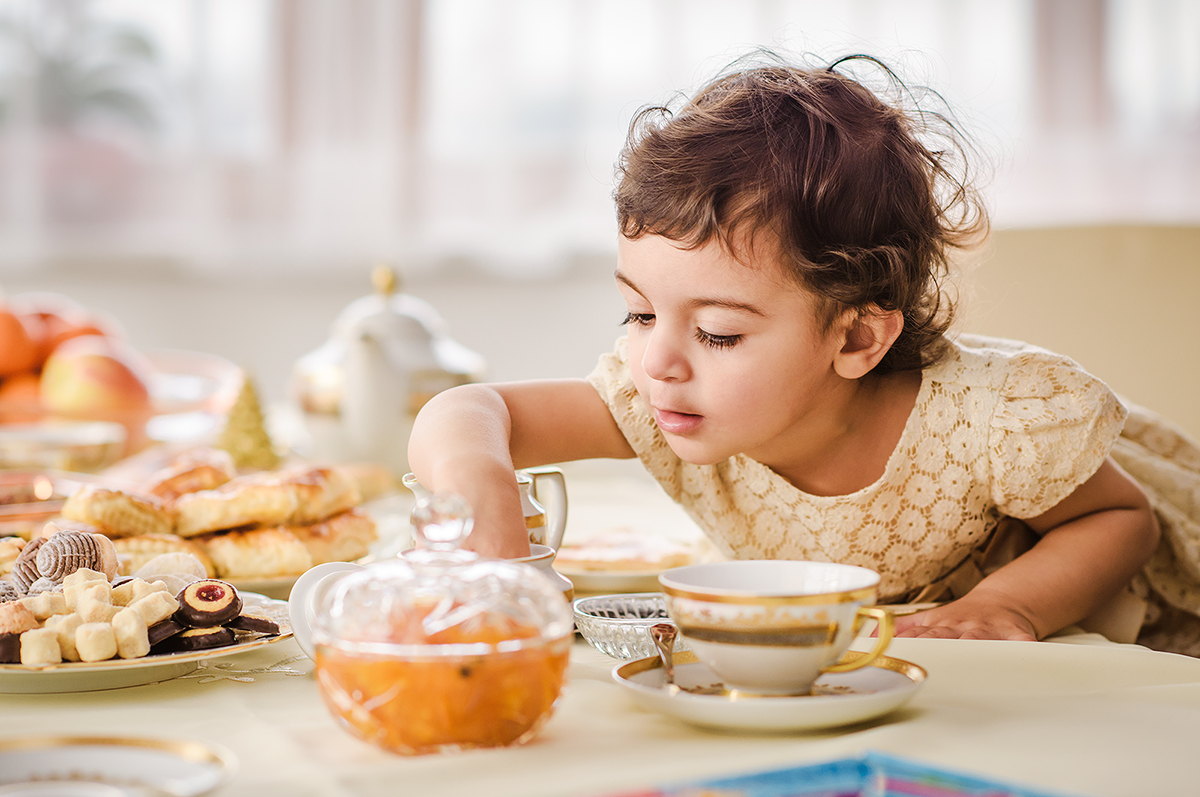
{"x": 10, "y": 648}
{"x": 254, "y": 623}
{"x": 163, "y": 629}
{"x": 216, "y": 636}
{"x": 208, "y": 602}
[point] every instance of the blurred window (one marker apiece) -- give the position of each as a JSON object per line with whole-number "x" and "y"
{"x": 284, "y": 136}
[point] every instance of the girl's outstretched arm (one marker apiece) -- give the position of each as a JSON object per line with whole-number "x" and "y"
{"x": 1093, "y": 542}
{"x": 468, "y": 440}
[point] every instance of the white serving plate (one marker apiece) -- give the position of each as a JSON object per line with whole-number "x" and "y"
{"x": 101, "y": 765}
{"x": 82, "y": 676}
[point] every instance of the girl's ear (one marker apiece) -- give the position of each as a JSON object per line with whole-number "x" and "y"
{"x": 868, "y": 336}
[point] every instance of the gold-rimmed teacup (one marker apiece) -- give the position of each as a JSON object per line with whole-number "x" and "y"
{"x": 774, "y": 626}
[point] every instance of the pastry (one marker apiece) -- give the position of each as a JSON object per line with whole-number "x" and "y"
{"x": 163, "y": 629}
{"x": 10, "y": 648}
{"x": 40, "y": 646}
{"x": 46, "y": 604}
{"x": 343, "y": 537}
{"x": 65, "y": 626}
{"x": 207, "y": 603}
{"x": 257, "y": 553}
{"x": 8, "y": 591}
{"x": 68, "y": 551}
{"x": 117, "y": 513}
{"x": 202, "y": 469}
{"x": 292, "y": 496}
{"x": 155, "y": 606}
{"x": 134, "y": 552}
{"x": 254, "y": 624}
{"x": 184, "y": 565}
{"x": 133, "y": 639}
{"x": 44, "y": 584}
{"x": 273, "y": 551}
{"x": 95, "y": 604}
{"x": 197, "y": 639}
{"x": 94, "y": 641}
{"x": 25, "y": 571}
{"x": 16, "y": 618}
{"x": 624, "y": 550}
{"x": 10, "y": 549}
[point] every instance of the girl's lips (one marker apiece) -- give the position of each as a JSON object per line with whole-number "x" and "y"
{"x": 676, "y": 422}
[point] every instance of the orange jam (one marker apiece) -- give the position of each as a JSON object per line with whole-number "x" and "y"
{"x": 415, "y": 703}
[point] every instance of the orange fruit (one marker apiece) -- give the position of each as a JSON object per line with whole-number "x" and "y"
{"x": 20, "y": 399}
{"x": 18, "y": 346}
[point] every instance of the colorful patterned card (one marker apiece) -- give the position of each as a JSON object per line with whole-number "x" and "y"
{"x": 871, "y": 775}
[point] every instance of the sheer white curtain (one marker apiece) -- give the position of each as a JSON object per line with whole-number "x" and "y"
{"x": 276, "y": 137}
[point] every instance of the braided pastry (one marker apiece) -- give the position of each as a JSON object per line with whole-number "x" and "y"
{"x": 117, "y": 513}
{"x": 192, "y": 472}
{"x": 271, "y": 498}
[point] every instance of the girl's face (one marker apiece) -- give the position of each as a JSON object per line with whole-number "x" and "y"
{"x": 729, "y": 356}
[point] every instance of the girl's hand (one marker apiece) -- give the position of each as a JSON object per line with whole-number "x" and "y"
{"x": 968, "y": 618}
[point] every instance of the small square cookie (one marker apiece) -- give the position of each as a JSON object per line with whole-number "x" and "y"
{"x": 40, "y": 646}
{"x": 95, "y": 641}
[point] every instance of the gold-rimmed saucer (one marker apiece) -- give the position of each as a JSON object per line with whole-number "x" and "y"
{"x": 698, "y": 697}
{"x": 132, "y": 765}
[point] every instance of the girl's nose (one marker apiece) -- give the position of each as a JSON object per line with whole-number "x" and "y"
{"x": 664, "y": 358}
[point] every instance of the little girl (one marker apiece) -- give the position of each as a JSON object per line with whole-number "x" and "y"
{"x": 788, "y": 377}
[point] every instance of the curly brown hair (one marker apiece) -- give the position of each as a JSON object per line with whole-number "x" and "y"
{"x": 862, "y": 198}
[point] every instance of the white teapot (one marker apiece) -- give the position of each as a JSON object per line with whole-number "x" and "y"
{"x": 388, "y": 354}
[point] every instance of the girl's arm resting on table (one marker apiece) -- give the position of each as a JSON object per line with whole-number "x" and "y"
{"x": 468, "y": 440}
{"x": 1093, "y": 542}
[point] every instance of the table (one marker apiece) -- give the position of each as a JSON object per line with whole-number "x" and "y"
{"x": 1080, "y": 715}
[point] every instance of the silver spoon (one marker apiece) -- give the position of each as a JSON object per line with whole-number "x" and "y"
{"x": 664, "y": 635}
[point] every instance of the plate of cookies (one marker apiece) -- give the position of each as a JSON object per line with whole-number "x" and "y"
{"x": 69, "y": 624}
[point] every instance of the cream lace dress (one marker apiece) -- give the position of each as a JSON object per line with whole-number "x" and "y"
{"x": 1001, "y": 431}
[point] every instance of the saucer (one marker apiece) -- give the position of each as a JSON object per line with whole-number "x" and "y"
{"x": 838, "y": 699}
{"x": 97, "y": 766}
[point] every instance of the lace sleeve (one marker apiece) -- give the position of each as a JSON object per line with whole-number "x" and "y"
{"x": 1052, "y": 427}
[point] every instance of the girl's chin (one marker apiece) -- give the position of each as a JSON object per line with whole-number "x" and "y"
{"x": 693, "y": 454}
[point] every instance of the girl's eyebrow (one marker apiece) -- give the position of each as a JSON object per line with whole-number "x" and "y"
{"x": 699, "y": 301}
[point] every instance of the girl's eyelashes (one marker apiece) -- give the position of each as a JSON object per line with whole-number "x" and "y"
{"x": 707, "y": 338}
{"x": 717, "y": 341}
{"x": 640, "y": 319}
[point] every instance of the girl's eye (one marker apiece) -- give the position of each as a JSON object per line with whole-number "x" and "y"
{"x": 640, "y": 319}
{"x": 717, "y": 341}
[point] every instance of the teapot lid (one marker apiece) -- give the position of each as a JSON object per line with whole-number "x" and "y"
{"x": 388, "y": 304}
{"x": 439, "y": 599}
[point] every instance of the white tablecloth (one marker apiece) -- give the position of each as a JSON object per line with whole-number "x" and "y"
{"x": 1089, "y": 718}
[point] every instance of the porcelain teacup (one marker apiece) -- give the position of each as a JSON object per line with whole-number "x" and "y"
{"x": 774, "y": 626}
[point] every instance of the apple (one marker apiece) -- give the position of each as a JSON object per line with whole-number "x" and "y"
{"x": 95, "y": 377}
{"x": 63, "y": 318}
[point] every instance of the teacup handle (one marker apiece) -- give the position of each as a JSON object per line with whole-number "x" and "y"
{"x": 887, "y": 628}
{"x": 303, "y": 597}
{"x": 551, "y": 476}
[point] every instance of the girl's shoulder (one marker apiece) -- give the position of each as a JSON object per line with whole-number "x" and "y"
{"x": 1010, "y": 366}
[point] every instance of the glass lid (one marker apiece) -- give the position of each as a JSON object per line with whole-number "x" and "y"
{"x": 439, "y": 599}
